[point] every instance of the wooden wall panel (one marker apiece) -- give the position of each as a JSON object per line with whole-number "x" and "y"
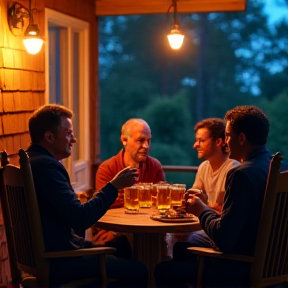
{"x": 8, "y": 102}
{"x": 22, "y": 79}
{"x": 82, "y": 9}
{"x": 1, "y": 103}
{"x": 22, "y": 82}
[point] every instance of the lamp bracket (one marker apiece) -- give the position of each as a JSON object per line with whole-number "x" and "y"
{"x": 18, "y": 18}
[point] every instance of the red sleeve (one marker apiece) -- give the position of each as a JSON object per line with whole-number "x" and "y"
{"x": 103, "y": 176}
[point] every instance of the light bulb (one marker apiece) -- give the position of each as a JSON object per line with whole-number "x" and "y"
{"x": 32, "y": 41}
{"x": 175, "y": 37}
{"x": 33, "y": 45}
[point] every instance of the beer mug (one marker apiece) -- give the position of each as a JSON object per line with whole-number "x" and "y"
{"x": 131, "y": 198}
{"x": 176, "y": 195}
{"x": 145, "y": 197}
{"x": 163, "y": 199}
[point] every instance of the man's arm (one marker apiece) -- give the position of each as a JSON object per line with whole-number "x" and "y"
{"x": 105, "y": 173}
{"x": 198, "y": 182}
{"x": 57, "y": 198}
{"x": 237, "y": 211}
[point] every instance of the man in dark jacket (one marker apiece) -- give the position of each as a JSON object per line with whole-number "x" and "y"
{"x": 235, "y": 230}
{"x": 51, "y": 132}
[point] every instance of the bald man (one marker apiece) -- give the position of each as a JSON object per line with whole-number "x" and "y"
{"x": 136, "y": 140}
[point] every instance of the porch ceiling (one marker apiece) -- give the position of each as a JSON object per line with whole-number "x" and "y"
{"x": 128, "y": 7}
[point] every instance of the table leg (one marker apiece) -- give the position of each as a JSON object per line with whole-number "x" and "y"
{"x": 149, "y": 248}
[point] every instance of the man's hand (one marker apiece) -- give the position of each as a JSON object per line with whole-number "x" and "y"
{"x": 103, "y": 236}
{"x": 125, "y": 178}
{"x": 199, "y": 193}
{"x": 216, "y": 207}
{"x": 195, "y": 205}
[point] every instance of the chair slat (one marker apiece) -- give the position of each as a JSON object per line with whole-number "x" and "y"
{"x": 15, "y": 272}
{"x": 275, "y": 265}
{"x": 270, "y": 259}
{"x": 19, "y": 218}
{"x": 272, "y": 254}
{"x": 281, "y": 245}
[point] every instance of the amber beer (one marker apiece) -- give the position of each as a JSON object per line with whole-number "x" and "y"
{"x": 145, "y": 197}
{"x": 176, "y": 195}
{"x": 163, "y": 200}
{"x": 153, "y": 191}
{"x": 131, "y": 198}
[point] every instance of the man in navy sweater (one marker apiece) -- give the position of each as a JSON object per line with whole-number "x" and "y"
{"x": 235, "y": 230}
{"x": 51, "y": 132}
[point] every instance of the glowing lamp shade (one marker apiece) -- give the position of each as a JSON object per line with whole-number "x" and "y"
{"x": 175, "y": 37}
{"x": 32, "y": 42}
{"x": 33, "y": 45}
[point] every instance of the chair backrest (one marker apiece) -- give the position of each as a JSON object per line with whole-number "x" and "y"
{"x": 15, "y": 272}
{"x": 25, "y": 219}
{"x": 3, "y": 158}
{"x": 273, "y": 229}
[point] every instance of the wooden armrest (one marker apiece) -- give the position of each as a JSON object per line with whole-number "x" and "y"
{"x": 210, "y": 252}
{"x": 79, "y": 252}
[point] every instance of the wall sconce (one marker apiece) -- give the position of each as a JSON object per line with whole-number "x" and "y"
{"x": 16, "y": 21}
{"x": 175, "y": 36}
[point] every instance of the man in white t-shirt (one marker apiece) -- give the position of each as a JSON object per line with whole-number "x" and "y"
{"x": 209, "y": 184}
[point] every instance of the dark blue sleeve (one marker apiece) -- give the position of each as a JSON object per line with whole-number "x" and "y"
{"x": 57, "y": 198}
{"x": 227, "y": 229}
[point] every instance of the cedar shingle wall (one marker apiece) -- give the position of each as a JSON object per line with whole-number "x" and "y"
{"x": 22, "y": 84}
{"x": 22, "y": 76}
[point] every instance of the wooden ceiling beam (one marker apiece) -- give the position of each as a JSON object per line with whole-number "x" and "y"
{"x": 130, "y": 7}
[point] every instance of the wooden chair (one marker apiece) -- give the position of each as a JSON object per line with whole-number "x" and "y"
{"x": 3, "y": 158}
{"x": 269, "y": 265}
{"x": 27, "y": 231}
{"x": 15, "y": 272}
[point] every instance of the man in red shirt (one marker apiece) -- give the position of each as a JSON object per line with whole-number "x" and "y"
{"x": 136, "y": 140}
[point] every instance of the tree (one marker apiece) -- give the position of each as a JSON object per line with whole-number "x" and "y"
{"x": 172, "y": 134}
{"x": 276, "y": 111}
{"x": 242, "y": 60}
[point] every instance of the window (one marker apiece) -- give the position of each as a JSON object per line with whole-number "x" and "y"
{"x": 67, "y": 83}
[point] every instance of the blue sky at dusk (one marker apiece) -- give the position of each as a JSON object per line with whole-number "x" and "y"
{"x": 276, "y": 10}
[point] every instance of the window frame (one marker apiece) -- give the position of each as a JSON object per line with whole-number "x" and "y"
{"x": 75, "y": 168}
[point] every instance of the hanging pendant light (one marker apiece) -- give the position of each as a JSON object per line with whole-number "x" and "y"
{"x": 175, "y": 36}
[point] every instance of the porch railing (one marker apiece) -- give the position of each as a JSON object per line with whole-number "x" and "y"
{"x": 174, "y": 168}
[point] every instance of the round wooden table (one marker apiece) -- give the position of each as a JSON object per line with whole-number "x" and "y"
{"x": 148, "y": 235}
